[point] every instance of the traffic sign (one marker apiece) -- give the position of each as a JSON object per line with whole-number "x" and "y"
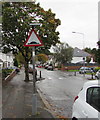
{"x": 33, "y": 39}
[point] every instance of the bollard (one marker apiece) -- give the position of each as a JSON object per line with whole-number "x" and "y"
{"x": 40, "y": 74}
{"x": 92, "y": 75}
{"x": 75, "y": 73}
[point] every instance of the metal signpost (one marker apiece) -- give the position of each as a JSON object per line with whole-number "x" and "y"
{"x": 34, "y": 97}
{"x": 32, "y": 41}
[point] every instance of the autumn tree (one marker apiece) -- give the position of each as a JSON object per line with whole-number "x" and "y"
{"x": 16, "y": 17}
{"x": 42, "y": 58}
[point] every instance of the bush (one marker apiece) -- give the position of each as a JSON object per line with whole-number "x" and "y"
{"x": 6, "y": 72}
{"x": 97, "y": 68}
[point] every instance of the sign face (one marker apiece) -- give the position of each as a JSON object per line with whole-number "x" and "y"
{"x": 33, "y": 39}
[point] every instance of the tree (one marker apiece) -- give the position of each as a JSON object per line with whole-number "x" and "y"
{"x": 88, "y": 50}
{"x": 63, "y": 53}
{"x": 88, "y": 59}
{"x": 20, "y": 58}
{"x": 93, "y": 52}
{"x": 15, "y": 62}
{"x": 16, "y": 17}
{"x": 42, "y": 58}
{"x": 98, "y": 52}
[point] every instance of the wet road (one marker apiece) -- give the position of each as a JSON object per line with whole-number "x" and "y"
{"x": 59, "y": 89}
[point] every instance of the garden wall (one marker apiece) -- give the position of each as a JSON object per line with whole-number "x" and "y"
{"x": 9, "y": 77}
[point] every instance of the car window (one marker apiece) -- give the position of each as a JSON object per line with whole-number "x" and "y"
{"x": 93, "y": 97}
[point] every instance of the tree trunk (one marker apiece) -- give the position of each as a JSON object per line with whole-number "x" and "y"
{"x": 26, "y": 72}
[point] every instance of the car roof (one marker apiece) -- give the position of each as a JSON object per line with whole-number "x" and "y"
{"x": 92, "y": 83}
{"x": 84, "y": 67}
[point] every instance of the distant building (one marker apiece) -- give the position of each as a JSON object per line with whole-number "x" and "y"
{"x": 78, "y": 56}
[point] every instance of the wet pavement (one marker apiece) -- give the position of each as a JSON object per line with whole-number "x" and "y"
{"x": 17, "y": 99}
{"x": 0, "y": 94}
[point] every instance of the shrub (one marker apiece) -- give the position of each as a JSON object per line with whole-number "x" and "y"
{"x": 97, "y": 68}
{"x": 6, "y": 72}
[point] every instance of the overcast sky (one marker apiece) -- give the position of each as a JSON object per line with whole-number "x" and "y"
{"x": 76, "y": 15}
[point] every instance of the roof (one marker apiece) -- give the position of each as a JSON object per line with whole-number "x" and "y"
{"x": 80, "y": 53}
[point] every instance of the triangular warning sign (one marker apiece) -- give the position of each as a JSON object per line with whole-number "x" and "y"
{"x": 33, "y": 39}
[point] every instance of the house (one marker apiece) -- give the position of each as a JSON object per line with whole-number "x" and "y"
{"x": 79, "y": 54}
{"x": 6, "y": 60}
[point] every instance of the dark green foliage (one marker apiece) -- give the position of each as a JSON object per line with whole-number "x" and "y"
{"x": 6, "y": 72}
{"x": 16, "y": 17}
{"x": 94, "y": 52}
{"x": 63, "y": 53}
{"x": 15, "y": 62}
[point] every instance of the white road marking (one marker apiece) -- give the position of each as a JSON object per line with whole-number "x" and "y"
{"x": 60, "y": 78}
{"x": 49, "y": 78}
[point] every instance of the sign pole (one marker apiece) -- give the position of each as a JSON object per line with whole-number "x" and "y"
{"x": 34, "y": 98}
{"x": 32, "y": 41}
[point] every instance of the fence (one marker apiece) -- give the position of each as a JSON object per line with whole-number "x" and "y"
{"x": 76, "y": 66}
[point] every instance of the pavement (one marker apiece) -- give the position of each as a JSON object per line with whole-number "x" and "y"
{"x": 17, "y": 100}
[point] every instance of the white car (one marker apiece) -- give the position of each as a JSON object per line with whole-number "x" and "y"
{"x": 97, "y": 75}
{"x": 87, "y": 103}
{"x": 83, "y": 70}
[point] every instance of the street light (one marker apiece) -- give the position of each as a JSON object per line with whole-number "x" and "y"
{"x": 82, "y": 35}
{"x": 83, "y": 46}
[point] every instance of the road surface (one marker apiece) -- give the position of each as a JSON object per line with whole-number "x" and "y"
{"x": 59, "y": 89}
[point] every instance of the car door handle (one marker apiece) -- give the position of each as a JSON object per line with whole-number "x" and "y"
{"x": 85, "y": 114}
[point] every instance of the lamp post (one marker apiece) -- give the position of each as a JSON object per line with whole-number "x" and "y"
{"x": 82, "y": 36}
{"x": 83, "y": 48}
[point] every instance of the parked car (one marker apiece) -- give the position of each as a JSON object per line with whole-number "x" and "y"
{"x": 50, "y": 67}
{"x": 46, "y": 66}
{"x": 40, "y": 66}
{"x": 97, "y": 75}
{"x": 83, "y": 70}
{"x": 87, "y": 103}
